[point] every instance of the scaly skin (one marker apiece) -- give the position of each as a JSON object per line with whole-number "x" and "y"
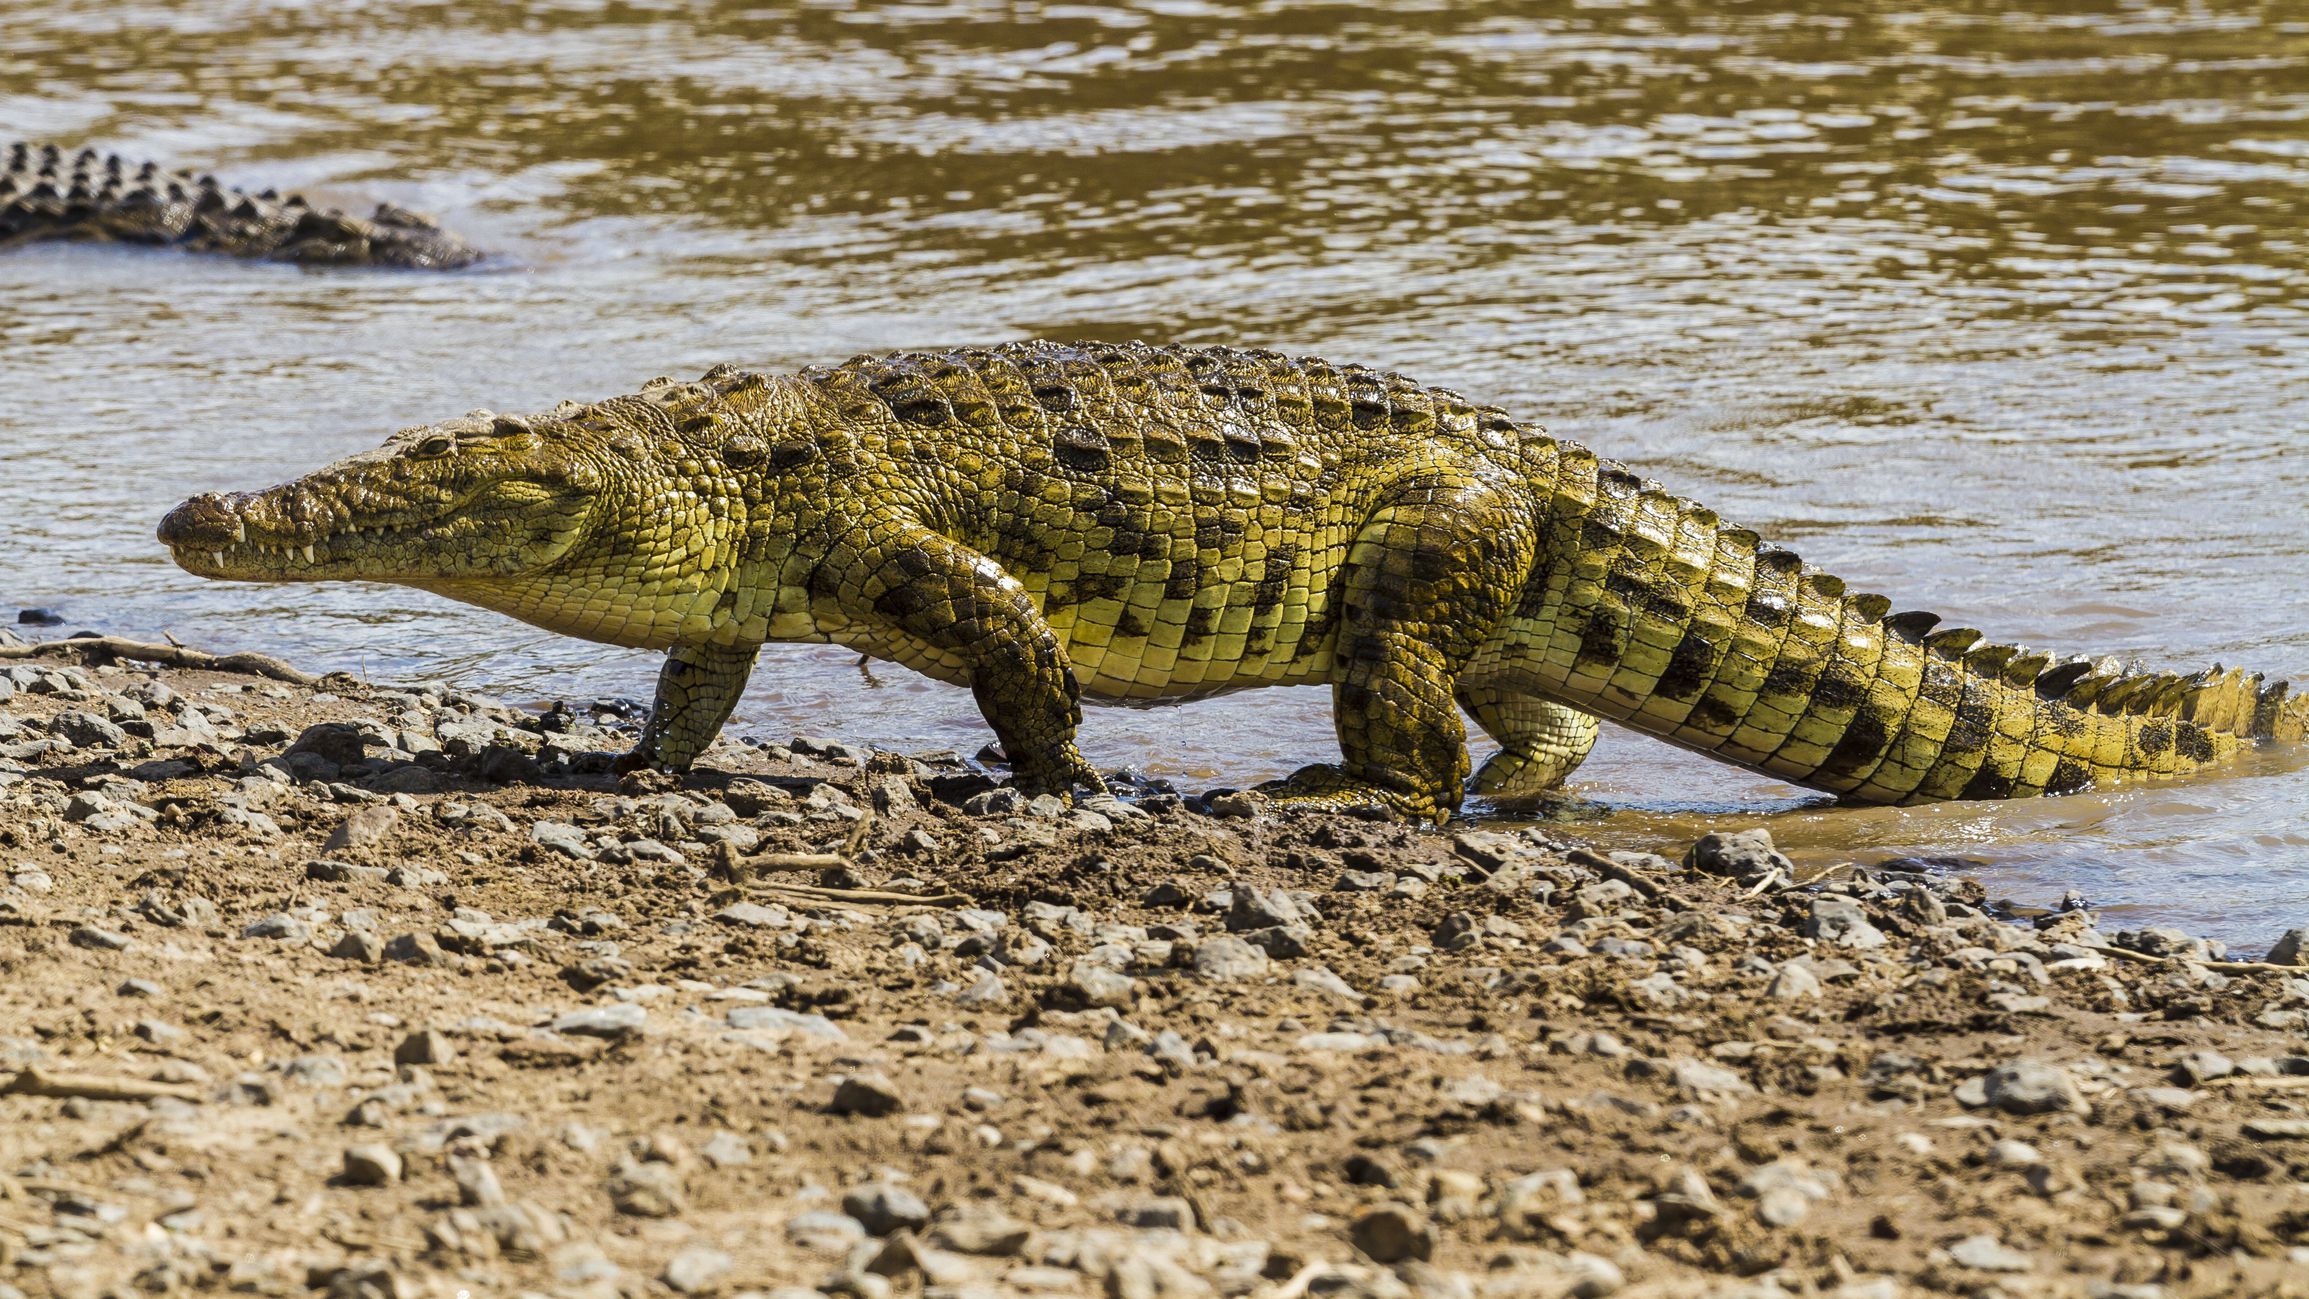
{"x": 1042, "y": 522}
{"x": 48, "y": 193}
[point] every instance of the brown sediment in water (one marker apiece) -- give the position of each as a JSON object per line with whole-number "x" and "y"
{"x": 346, "y": 986}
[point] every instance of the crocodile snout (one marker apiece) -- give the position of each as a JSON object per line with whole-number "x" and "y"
{"x": 206, "y": 522}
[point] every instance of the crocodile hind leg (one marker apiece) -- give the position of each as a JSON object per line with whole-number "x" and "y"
{"x": 697, "y": 690}
{"x": 1427, "y": 579}
{"x": 1541, "y": 741}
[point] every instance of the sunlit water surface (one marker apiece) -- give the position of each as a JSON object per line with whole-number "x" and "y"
{"x": 1995, "y": 307}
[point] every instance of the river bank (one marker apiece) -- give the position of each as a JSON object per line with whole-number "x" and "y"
{"x": 319, "y": 986}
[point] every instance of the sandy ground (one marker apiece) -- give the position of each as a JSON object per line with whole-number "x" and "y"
{"x": 367, "y": 992}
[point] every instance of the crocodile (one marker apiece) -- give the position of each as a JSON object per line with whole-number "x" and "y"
{"x": 1046, "y": 522}
{"x": 48, "y": 193}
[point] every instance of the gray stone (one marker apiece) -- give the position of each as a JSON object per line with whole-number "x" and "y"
{"x": 884, "y": 1207}
{"x": 982, "y": 1230}
{"x": 99, "y": 939}
{"x": 2292, "y": 948}
{"x": 2027, "y": 1087}
{"x": 623, "y": 1019}
{"x": 698, "y": 1269}
{"x": 85, "y": 730}
{"x": 567, "y": 840}
{"x": 1793, "y": 982}
{"x": 279, "y": 925}
{"x": 1985, "y": 1253}
{"x": 1097, "y": 985}
{"x": 754, "y": 915}
{"x": 1250, "y": 907}
{"x": 825, "y": 1233}
{"x": 1736, "y": 854}
{"x": 359, "y": 945}
{"x": 1226, "y": 958}
{"x": 775, "y": 1019}
{"x": 1841, "y": 921}
{"x": 648, "y": 1190}
{"x": 1159, "y": 1213}
{"x": 365, "y": 828}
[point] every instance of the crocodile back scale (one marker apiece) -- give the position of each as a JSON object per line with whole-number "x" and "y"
{"x": 47, "y": 192}
{"x": 1044, "y": 522}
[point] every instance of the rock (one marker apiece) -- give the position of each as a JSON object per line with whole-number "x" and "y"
{"x": 1593, "y": 1276}
{"x": 2160, "y": 940}
{"x": 648, "y": 1190}
{"x": 371, "y": 1165}
{"x": 415, "y": 949}
{"x": 1736, "y": 854}
{"x": 1226, "y": 958}
{"x": 99, "y": 939}
{"x": 1456, "y": 933}
{"x": 982, "y": 1230}
{"x": 2024, "y": 1087}
{"x": 624, "y": 1019}
{"x": 1985, "y": 1253}
{"x": 280, "y": 925}
{"x": 363, "y": 829}
{"x": 2202, "y": 1066}
{"x": 987, "y": 989}
{"x": 825, "y": 1233}
{"x": 2013, "y": 1153}
{"x": 1249, "y": 907}
{"x": 567, "y": 840}
{"x": 884, "y": 1207}
{"x": 753, "y": 915}
{"x": 697, "y": 1270}
{"x": 1393, "y": 1233}
{"x": 1097, "y": 985}
{"x": 425, "y": 1047}
{"x": 1841, "y": 921}
{"x": 1160, "y": 1213}
{"x": 2292, "y": 949}
{"x": 1785, "y": 1191}
{"x": 477, "y": 1182}
{"x": 866, "y": 1094}
{"x": 85, "y": 730}
{"x": 359, "y": 945}
{"x": 1793, "y": 982}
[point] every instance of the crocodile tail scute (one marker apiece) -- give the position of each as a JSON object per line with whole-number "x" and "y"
{"x": 1650, "y": 610}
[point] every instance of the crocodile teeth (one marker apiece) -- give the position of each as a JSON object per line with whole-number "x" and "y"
{"x": 308, "y": 554}
{"x": 218, "y": 556}
{"x": 240, "y": 531}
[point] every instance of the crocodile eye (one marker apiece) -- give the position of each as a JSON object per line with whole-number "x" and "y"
{"x": 434, "y": 447}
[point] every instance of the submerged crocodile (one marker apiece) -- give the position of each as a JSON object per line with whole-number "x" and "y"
{"x": 47, "y": 193}
{"x": 1044, "y": 522}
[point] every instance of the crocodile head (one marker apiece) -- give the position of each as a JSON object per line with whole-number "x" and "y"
{"x": 476, "y": 501}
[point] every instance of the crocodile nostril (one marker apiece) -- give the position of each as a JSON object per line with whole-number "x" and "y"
{"x": 205, "y": 520}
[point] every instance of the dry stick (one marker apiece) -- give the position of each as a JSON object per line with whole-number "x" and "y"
{"x": 41, "y": 1082}
{"x": 862, "y": 897}
{"x": 771, "y": 862}
{"x": 175, "y": 656}
{"x": 2282, "y": 1082}
{"x": 2297, "y": 971}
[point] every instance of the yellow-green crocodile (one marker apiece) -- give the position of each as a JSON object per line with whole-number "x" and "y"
{"x": 50, "y": 193}
{"x": 1044, "y": 521}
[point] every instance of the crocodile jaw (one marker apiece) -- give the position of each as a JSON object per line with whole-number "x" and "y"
{"x": 404, "y": 514}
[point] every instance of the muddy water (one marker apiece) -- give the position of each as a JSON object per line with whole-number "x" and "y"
{"x": 1998, "y": 308}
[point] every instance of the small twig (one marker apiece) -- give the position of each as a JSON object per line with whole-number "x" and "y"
{"x": 1810, "y": 880}
{"x": 1612, "y": 870}
{"x": 41, "y": 1082}
{"x": 2297, "y": 971}
{"x": 858, "y": 897}
{"x": 857, "y": 839}
{"x": 175, "y": 656}
{"x": 1772, "y": 877}
{"x": 2282, "y": 1082}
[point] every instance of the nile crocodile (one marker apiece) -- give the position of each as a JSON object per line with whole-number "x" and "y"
{"x": 49, "y": 193}
{"x": 1043, "y": 522}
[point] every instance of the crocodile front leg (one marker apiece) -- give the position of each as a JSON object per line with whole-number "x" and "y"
{"x": 696, "y": 691}
{"x": 900, "y": 582}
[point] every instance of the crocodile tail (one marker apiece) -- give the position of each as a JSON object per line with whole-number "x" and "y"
{"x": 1649, "y": 609}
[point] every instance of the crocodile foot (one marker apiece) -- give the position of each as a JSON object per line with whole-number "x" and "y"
{"x": 1324, "y": 787}
{"x": 1059, "y": 773}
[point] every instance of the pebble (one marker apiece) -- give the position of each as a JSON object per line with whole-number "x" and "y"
{"x": 885, "y": 1207}
{"x": 2024, "y": 1087}
{"x": 1841, "y": 921}
{"x": 364, "y": 829}
{"x": 371, "y": 1165}
{"x": 279, "y": 925}
{"x": 866, "y": 1094}
{"x": 2292, "y": 948}
{"x": 98, "y": 938}
{"x": 1793, "y": 982}
{"x": 622, "y": 1019}
{"x": 1736, "y": 854}
{"x": 648, "y": 1189}
{"x": 1227, "y": 958}
{"x": 1393, "y": 1233}
{"x": 698, "y": 1269}
{"x": 1985, "y": 1253}
{"x": 425, "y": 1047}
